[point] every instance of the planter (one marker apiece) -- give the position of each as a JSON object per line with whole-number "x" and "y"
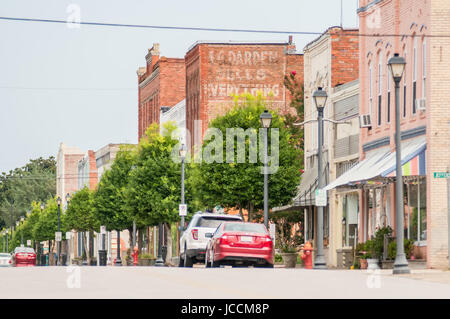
{"x": 146, "y": 261}
{"x": 363, "y": 263}
{"x": 372, "y": 264}
{"x": 387, "y": 264}
{"x": 289, "y": 259}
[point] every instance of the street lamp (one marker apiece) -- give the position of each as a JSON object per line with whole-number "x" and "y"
{"x": 58, "y": 200}
{"x": 397, "y": 66}
{"x": 159, "y": 261}
{"x": 7, "y": 240}
{"x": 21, "y": 231}
{"x": 3, "y": 235}
{"x": 320, "y": 98}
{"x": 183, "y": 152}
{"x": 266, "y": 120}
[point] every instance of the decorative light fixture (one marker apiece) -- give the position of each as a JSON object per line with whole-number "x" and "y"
{"x": 266, "y": 119}
{"x": 320, "y": 98}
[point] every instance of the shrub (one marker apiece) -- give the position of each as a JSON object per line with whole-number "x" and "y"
{"x": 408, "y": 247}
{"x": 278, "y": 258}
{"x": 145, "y": 256}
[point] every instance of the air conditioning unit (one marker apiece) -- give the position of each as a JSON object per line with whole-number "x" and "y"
{"x": 421, "y": 105}
{"x": 365, "y": 121}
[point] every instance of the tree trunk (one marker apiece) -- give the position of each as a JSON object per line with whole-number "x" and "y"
{"x": 168, "y": 241}
{"x": 240, "y": 212}
{"x": 250, "y": 212}
{"x": 86, "y": 249}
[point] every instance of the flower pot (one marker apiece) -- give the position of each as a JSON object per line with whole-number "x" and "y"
{"x": 363, "y": 263}
{"x": 289, "y": 259}
{"x": 372, "y": 264}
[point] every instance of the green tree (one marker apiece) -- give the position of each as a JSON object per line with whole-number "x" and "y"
{"x": 80, "y": 216}
{"x": 36, "y": 181}
{"x": 240, "y": 185}
{"x": 154, "y": 191}
{"x": 109, "y": 199}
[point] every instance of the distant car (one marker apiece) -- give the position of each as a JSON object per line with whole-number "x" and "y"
{"x": 240, "y": 243}
{"x": 24, "y": 256}
{"x": 194, "y": 239}
{"x": 5, "y": 260}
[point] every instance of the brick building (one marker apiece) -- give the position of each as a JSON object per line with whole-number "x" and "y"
{"x": 87, "y": 171}
{"x": 161, "y": 83}
{"x": 216, "y": 70}
{"x": 425, "y": 118}
{"x": 67, "y": 170}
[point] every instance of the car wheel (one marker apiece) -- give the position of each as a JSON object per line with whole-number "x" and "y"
{"x": 214, "y": 264}
{"x": 187, "y": 260}
{"x": 181, "y": 262}
{"x": 207, "y": 262}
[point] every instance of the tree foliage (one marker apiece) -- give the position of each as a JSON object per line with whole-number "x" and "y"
{"x": 80, "y": 214}
{"x": 47, "y": 224}
{"x": 241, "y": 184}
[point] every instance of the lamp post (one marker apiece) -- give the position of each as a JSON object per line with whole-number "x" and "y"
{"x": 67, "y": 240}
{"x": 7, "y": 240}
{"x": 58, "y": 200}
{"x": 320, "y": 98}
{"x": 3, "y": 235}
{"x": 118, "y": 260}
{"x": 266, "y": 120}
{"x": 159, "y": 262}
{"x": 183, "y": 152}
{"x": 397, "y": 66}
{"x": 21, "y": 231}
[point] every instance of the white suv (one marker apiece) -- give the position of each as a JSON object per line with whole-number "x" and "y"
{"x": 195, "y": 237}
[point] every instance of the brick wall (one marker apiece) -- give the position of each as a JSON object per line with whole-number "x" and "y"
{"x": 162, "y": 84}
{"x": 214, "y": 72}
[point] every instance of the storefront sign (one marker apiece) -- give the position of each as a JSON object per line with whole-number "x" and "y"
{"x": 321, "y": 197}
{"x": 441, "y": 174}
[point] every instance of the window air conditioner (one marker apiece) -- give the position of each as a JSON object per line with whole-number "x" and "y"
{"x": 365, "y": 121}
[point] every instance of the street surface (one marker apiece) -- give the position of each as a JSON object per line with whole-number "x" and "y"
{"x": 198, "y": 282}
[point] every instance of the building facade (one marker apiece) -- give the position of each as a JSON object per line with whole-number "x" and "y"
{"x": 424, "y": 122}
{"x": 215, "y": 71}
{"x": 177, "y": 116}
{"x": 161, "y": 83}
{"x": 87, "y": 171}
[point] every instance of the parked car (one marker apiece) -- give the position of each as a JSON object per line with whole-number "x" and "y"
{"x": 24, "y": 256}
{"x": 240, "y": 244}
{"x": 194, "y": 239}
{"x": 5, "y": 260}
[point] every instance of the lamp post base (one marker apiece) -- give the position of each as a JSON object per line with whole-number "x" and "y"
{"x": 118, "y": 262}
{"x": 319, "y": 262}
{"x": 159, "y": 262}
{"x": 401, "y": 266}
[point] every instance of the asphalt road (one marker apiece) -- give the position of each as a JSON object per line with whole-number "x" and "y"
{"x": 194, "y": 283}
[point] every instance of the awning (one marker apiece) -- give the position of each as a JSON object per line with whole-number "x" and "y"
{"x": 412, "y": 165}
{"x": 381, "y": 163}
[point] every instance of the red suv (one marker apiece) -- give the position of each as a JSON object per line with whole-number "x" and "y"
{"x": 24, "y": 256}
{"x": 239, "y": 243}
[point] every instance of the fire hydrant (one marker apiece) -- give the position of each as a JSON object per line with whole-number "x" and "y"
{"x": 307, "y": 255}
{"x": 135, "y": 256}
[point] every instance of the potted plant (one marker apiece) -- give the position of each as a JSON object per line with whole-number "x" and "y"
{"x": 289, "y": 254}
{"x": 363, "y": 260}
{"x": 146, "y": 260}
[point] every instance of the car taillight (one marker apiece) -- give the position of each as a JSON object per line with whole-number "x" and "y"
{"x": 10, "y": 261}
{"x": 223, "y": 240}
{"x": 194, "y": 234}
{"x": 267, "y": 242}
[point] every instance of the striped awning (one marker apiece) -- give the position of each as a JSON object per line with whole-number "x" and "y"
{"x": 412, "y": 165}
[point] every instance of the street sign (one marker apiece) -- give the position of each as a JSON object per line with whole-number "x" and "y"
{"x": 28, "y": 242}
{"x": 102, "y": 229}
{"x": 68, "y": 235}
{"x": 321, "y": 197}
{"x": 272, "y": 232}
{"x": 441, "y": 174}
{"x": 58, "y": 236}
{"x": 183, "y": 210}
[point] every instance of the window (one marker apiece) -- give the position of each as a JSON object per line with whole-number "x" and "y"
{"x": 414, "y": 86}
{"x": 404, "y": 89}
{"x": 388, "y": 107}
{"x": 424, "y": 67}
{"x": 370, "y": 89}
{"x": 379, "y": 89}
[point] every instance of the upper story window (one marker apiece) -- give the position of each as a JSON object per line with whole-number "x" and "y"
{"x": 424, "y": 67}
{"x": 414, "y": 84}
{"x": 404, "y": 86}
{"x": 370, "y": 89}
{"x": 380, "y": 77}
{"x": 388, "y": 106}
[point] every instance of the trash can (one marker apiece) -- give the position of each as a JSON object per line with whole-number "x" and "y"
{"x": 164, "y": 252}
{"x": 102, "y": 257}
{"x": 63, "y": 259}
{"x": 43, "y": 260}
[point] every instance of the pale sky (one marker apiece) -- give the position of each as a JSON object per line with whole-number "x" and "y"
{"x": 79, "y": 86}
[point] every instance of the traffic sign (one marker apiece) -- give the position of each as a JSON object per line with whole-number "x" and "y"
{"x": 272, "y": 232}
{"x": 68, "y": 235}
{"x": 183, "y": 210}
{"x": 102, "y": 229}
{"x": 58, "y": 236}
{"x": 321, "y": 197}
{"x": 28, "y": 242}
{"x": 441, "y": 174}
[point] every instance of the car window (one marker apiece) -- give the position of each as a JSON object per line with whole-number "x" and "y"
{"x": 24, "y": 250}
{"x": 213, "y": 222}
{"x": 245, "y": 227}
{"x": 5, "y": 255}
